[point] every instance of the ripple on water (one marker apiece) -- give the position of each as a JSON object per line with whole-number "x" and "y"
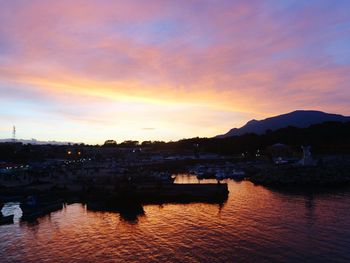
{"x": 255, "y": 224}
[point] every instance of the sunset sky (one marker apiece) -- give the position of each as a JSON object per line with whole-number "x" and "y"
{"x": 87, "y": 71}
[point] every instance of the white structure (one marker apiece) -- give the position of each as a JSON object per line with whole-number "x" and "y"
{"x": 307, "y": 158}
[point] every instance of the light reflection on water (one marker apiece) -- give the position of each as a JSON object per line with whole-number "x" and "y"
{"x": 254, "y": 225}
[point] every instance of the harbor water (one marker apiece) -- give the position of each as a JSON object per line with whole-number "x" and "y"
{"x": 255, "y": 224}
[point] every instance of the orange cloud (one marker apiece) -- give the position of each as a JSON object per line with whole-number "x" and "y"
{"x": 238, "y": 59}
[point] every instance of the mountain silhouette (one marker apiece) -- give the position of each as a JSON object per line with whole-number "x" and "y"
{"x": 299, "y": 119}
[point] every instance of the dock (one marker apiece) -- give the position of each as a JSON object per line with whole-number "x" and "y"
{"x": 183, "y": 193}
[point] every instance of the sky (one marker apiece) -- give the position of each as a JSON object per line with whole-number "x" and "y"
{"x": 88, "y": 71}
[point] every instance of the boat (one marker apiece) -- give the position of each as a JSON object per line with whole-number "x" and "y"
{"x": 205, "y": 173}
{"x": 5, "y": 220}
{"x": 235, "y": 174}
{"x": 165, "y": 177}
{"x": 280, "y": 161}
{"x": 220, "y": 175}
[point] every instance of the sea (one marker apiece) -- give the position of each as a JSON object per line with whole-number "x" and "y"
{"x": 255, "y": 224}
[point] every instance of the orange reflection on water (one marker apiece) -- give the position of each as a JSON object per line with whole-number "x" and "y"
{"x": 255, "y": 223}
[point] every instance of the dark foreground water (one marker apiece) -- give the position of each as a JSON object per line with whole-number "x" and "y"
{"x": 254, "y": 225}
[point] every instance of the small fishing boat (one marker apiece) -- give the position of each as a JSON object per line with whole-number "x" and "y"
{"x": 237, "y": 175}
{"x": 234, "y": 174}
{"x": 220, "y": 175}
{"x": 205, "y": 174}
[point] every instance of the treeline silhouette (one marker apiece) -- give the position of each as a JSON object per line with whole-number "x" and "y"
{"x": 325, "y": 138}
{"x": 328, "y": 137}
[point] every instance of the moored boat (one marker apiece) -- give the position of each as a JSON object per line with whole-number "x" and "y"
{"x": 234, "y": 174}
{"x": 237, "y": 175}
{"x": 220, "y": 175}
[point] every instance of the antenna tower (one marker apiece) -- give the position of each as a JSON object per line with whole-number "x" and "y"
{"x": 14, "y": 134}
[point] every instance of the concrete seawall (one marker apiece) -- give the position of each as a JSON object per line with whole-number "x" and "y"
{"x": 182, "y": 193}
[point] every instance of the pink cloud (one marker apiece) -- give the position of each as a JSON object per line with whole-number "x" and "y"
{"x": 243, "y": 56}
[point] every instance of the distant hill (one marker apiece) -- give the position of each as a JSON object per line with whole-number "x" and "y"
{"x": 34, "y": 141}
{"x": 299, "y": 119}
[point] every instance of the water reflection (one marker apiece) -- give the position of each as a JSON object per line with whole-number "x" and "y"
{"x": 254, "y": 225}
{"x": 310, "y": 206}
{"x": 130, "y": 213}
